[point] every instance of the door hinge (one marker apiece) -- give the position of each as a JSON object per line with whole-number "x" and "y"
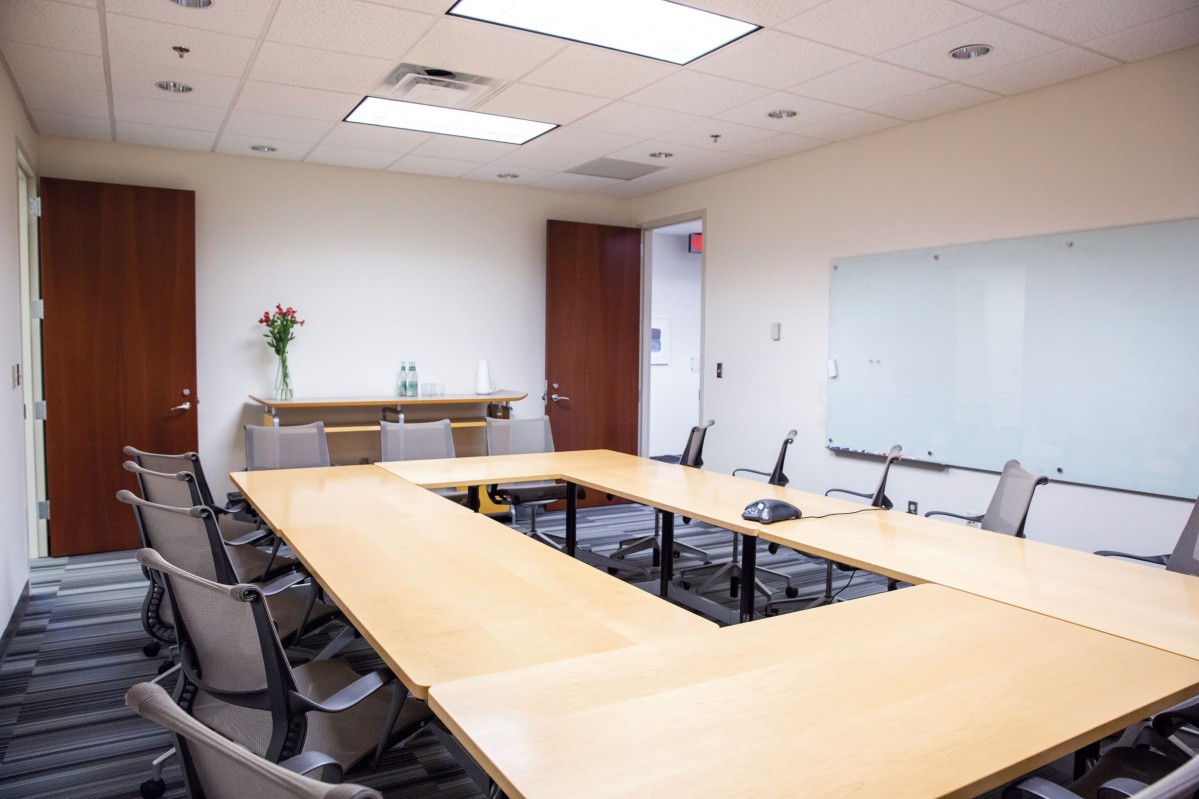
{"x": 35, "y": 207}
{"x": 38, "y": 309}
{"x": 43, "y": 510}
{"x": 39, "y": 410}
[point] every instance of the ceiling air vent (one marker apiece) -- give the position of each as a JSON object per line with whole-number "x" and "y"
{"x": 432, "y": 86}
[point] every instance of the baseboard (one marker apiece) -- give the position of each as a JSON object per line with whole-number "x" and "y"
{"x": 18, "y": 615}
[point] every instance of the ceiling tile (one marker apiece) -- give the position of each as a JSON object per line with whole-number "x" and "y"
{"x": 726, "y": 162}
{"x": 773, "y": 59}
{"x": 375, "y": 137}
{"x": 167, "y": 112}
{"x": 635, "y": 120}
{"x": 1081, "y": 20}
{"x": 252, "y": 123}
{"x": 732, "y": 135}
{"x": 940, "y": 100}
{"x": 581, "y": 183}
{"x": 48, "y": 24}
{"x": 1162, "y": 35}
{"x": 781, "y": 145}
{"x": 989, "y": 6}
{"x": 667, "y": 178}
{"x": 241, "y": 18}
{"x": 54, "y": 97}
{"x": 696, "y": 93}
{"x": 463, "y": 45}
{"x": 855, "y": 123}
{"x": 160, "y": 136}
{"x": 42, "y": 66}
{"x": 806, "y": 111}
{"x": 872, "y": 26}
{"x": 1055, "y": 67}
{"x": 758, "y": 12}
{"x": 592, "y": 70}
{"x": 491, "y": 174}
{"x": 680, "y": 154}
{"x": 1011, "y": 44}
{"x": 441, "y": 167}
{"x": 336, "y": 155}
{"x": 296, "y": 101}
{"x": 148, "y": 42}
{"x": 85, "y": 3}
{"x": 866, "y": 83}
{"x": 137, "y": 80}
{"x": 542, "y": 104}
{"x": 348, "y": 26}
{"x": 547, "y": 160}
{"x": 234, "y": 144}
{"x": 425, "y": 6}
{"x": 71, "y": 126}
{"x": 578, "y": 140}
{"x": 319, "y": 69}
{"x": 462, "y": 149}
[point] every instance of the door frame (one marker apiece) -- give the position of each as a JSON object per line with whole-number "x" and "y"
{"x": 31, "y": 358}
{"x": 647, "y": 287}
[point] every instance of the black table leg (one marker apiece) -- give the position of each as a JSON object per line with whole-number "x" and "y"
{"x": 472, "y": 498}
{"x": 749, "y": 570}
{"x": 1090, "y": 752}
{"x": 571, "y": 518}
{"x": 667, "y": 570}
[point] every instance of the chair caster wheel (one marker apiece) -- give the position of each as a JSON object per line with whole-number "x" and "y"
{"x": 772, "y": 548}
{"x": 151, "y": 649}
{"x": 791, "y": 592}
{"x": 164, "y": 667}
{"x": 677, "y": 554}
{"x": 153, "y": 789}
{"x": 685, "y": 585}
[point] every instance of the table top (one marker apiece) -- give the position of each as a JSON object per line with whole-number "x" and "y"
{"x": 489, "y": 469}
{"x": 500, "y": 395}
{"x": 1131, "y": 600}
{"x": 894, "y": 695}
{"x": 286, "y": 498}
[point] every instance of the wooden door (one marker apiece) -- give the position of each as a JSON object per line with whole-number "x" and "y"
{"x": 593, "y": 335}
{"x": 118, "y": 281}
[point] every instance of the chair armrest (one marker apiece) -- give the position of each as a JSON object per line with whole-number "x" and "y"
{"x": 1120, "y": 787}
{"x": 352, "y": 694}
{"x": 847, "y": 491}
{"x": 252, "y": 537}
{"x": 977, "y": 518}
{"x": 280, "y": 584}
{"x": 307, "y": 762}
{"x": 1038, "y": 788}
{"x": 751, "y": 471}
{"x": 1160, "y": 560}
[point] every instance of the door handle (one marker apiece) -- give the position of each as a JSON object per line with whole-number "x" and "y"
{"x": 187, "y": 406}
{"x": 556, "y": 397}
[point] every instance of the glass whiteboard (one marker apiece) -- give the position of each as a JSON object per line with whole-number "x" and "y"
{"x": 1076, "y": 353}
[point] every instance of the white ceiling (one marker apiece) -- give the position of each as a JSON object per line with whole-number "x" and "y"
{"x": 285, "y": 72}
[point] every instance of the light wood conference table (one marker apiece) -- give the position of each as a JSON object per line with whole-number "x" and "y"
{"x": 442, "y": 593}
{"x": 925, "y": 692}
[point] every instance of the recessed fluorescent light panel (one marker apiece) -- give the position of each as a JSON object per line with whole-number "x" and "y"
{"x": 653, "y": 28}
{"x": 450, "y": 121}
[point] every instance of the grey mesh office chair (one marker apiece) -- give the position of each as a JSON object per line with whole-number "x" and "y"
{"x": 216, "y": 768}
{"x": 190, "y": 462}
{"x": 1009, "y": 505}
{"x": 189, "y": 537}
{"x": 519, "y": 437}
{"x": 409, "y": 441}
{"x": 1122, "y": 771}
{"x": 297, "y": 446}
{"x": 1185, "y": 557}
{"x": 878, "y": 499}
{"x": 238, "y": 680}
{"x": 693, "y": 456}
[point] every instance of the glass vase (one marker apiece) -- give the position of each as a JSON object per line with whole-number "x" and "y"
{"x": 283, "y": 387}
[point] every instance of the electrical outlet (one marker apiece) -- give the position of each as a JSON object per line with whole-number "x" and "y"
{"x": 913, "y": 507}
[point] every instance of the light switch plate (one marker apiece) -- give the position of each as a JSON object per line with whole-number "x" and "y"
{"x": 16, "y": 375}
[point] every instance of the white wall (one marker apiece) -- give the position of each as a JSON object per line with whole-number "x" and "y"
{"x": 15, "y": 132}
{"x": 1116, "y": 148}
{"x": 383, "y": 266}
{"x": 674, "y": 389}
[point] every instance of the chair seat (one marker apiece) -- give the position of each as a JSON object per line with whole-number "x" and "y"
{"x": 249, "y": 562}
{"x": 348, "y": 737}
{"x": 528, "y": 493}
{"x": 287, "y": 610}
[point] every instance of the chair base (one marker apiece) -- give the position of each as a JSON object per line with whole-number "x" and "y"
{"x": 810, "y": 601}
{"x": 630, "y": 545}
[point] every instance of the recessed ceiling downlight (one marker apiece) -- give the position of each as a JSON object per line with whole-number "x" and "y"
{"x": 968, "y": 51}
{"x": 263, "y": 148}
{"x": 173, "y": 86}
{"x": 782, "y": 113}
{"x": 193, "y": 3}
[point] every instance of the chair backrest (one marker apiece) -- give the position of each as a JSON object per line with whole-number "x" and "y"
{"x": 519, "y": 436}
{"x": 777, "y": 478}
{"x": 169, "y": 464}
{"x": 1181, "y": 783}
{"x": 298, "y": 446}
{"x": 408, "y": 441}
{"x": 222, "y": 769}
{"x": 228, "y": 647}
{"x": 188, "y": 536}
{"x": 175, "y": 489}
{"x": 879, "y": 498}
{"x": 1185, "y": 557}
{"x": 693, "y": 453}
{"x": 1010, "y": 502}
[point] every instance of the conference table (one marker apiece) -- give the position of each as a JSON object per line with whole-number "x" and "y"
{"x": 562, "y": 680}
